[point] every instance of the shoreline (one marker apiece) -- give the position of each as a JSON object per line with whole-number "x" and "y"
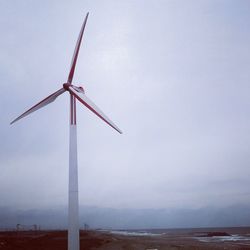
{"x": 106, "y": 240}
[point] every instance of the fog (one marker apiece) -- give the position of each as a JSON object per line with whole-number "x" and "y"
{"x": 111, "y": 218}
{"x": 173, "y": 75}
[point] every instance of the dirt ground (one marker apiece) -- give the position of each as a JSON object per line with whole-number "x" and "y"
{"x": 57, "y": 240}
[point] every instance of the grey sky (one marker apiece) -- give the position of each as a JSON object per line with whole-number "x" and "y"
{"x": 173, "y": 75}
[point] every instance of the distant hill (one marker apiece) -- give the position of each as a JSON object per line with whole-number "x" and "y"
{"x": 95, "y": 217}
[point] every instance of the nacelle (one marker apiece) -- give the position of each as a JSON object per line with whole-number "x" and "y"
{"x": 81, "y": 88}
{"x": 78, "y": 89}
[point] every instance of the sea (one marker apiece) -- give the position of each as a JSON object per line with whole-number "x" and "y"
{"x": 223, "y": 234}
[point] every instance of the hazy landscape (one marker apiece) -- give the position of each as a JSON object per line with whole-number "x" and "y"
{"x": 174, "y": 76}
{"x": 186, "y": 239}
{"x": 110, "y": 218}
{"x": 138, "y": 229}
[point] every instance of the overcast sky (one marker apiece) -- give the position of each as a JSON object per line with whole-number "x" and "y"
{"x": 173, "y": 75}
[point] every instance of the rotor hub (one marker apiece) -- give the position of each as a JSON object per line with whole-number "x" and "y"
{"x": 66, "y": 86}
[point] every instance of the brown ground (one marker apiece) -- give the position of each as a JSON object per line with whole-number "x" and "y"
{"x": 57, "y": 240}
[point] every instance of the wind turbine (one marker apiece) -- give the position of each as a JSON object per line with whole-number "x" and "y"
{"x": 79, "y": 94}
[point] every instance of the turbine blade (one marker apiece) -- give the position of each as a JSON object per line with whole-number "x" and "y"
{"x": 77, "y": 48}
{"x": 41, "y": 104}
{"x": 79, "y": 94}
